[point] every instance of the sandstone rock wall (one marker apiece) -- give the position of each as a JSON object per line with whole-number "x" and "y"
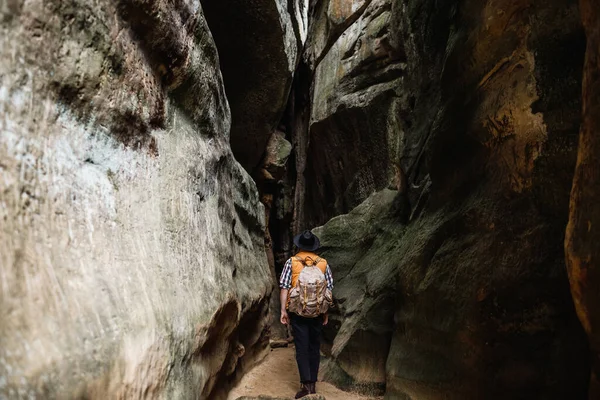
{"x": 357, "y": 91}
{"x": 452, "y": 285}
{"x": 132, "y": 260}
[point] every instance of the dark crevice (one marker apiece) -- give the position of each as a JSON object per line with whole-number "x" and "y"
{"x": 254, "y": 64}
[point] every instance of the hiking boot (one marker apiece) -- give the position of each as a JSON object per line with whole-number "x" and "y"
{"x": 312, "y": 387}
{"x": 304, "y": 391}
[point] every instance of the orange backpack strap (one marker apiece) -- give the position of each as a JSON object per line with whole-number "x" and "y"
{"x": 305, "y": 261}
{"x": 319, "y": 260}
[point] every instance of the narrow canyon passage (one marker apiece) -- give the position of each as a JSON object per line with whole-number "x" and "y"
{"x": 157, "y": 158}
{"x": 277, "y": 377}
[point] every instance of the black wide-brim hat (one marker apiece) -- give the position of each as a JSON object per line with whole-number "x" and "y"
{"x": 307, "y": 241}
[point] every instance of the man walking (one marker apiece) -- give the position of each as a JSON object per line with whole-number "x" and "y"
{"x": 306, "y": 284}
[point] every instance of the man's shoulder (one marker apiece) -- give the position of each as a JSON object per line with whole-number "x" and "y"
{"x": 304, "y": 254}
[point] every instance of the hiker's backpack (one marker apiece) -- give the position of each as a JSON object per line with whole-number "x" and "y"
{"x": 309, "y": 296}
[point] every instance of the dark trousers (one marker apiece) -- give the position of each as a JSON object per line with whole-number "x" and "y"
{"x": 307, "y": 339}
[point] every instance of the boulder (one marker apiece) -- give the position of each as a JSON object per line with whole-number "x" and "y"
{"x": 358, "y": 336}
{"x": 275, "y": 344}
{"x": 275, "y": 159}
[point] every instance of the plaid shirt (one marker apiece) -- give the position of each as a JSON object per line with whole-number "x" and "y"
{"x": 286, "y": 276}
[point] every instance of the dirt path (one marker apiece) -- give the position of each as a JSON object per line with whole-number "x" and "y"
{"x": 277, "y": 376}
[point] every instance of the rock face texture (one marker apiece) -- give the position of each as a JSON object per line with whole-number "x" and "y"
{"x": 132, "y": 260}
{"x": 583, "y": 254}
{"x": 451, "y": 283}
{"x": 356, "y": 96}
{"x": 357, "y": 339}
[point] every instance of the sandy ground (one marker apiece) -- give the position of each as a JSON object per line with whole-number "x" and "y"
{"x": 277, "y": 376}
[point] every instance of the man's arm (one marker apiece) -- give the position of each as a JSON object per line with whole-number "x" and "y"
{"x": 285, "y": 283}
{"x": 329, "y": 279}
{"x": 283, "y": 295}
